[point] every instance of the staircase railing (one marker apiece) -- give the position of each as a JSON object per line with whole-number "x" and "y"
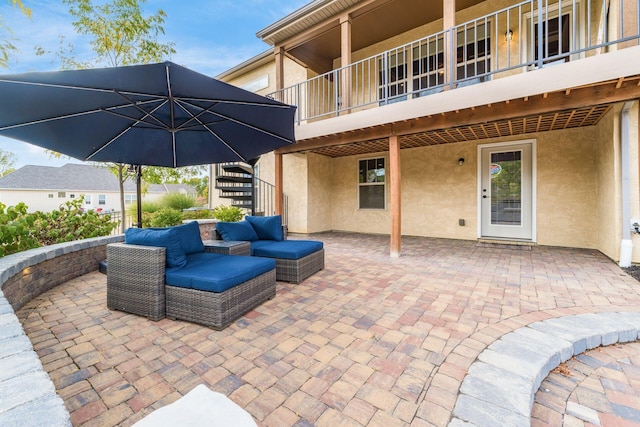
{"x": 262, "y": 194}
{"x": 264, "y": 200}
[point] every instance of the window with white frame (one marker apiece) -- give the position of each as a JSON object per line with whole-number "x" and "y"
{"x": 561, "y": 32}
{"x": 428, "y": 65}
{"x": 102, "y": 199}
{"x": 473, "y": 52}
{"x": 50, "y": 195}
{"x": 392, "y": 83}
{"x": 61, "y": 194}
{"x": 87, "y": 199}
{"x": 371, "y": 183}
{"x": 555, "y": 39}
{"x": 129, "y": 199}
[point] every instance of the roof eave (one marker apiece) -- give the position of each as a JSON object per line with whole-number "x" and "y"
{"x": 246, "y": 66}
{"x": 267, "y": 33}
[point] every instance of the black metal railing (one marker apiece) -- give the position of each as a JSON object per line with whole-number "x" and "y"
{"x": 238, "y": 182}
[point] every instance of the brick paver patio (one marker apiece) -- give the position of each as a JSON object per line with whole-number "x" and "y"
{"x": 370, "y": 340}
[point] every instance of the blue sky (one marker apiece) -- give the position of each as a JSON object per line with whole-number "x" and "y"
{"x": 210, "y": 37}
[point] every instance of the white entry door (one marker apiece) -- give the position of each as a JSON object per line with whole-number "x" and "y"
{"x": 506, "y": 201}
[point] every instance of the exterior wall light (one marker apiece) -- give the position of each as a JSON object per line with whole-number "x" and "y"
{"x": 508, "y": 35}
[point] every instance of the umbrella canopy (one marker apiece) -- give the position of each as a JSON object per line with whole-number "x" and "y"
{"x": 156, "y": 115}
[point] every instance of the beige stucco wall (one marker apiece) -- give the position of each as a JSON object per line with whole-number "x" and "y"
{"x": 437, "y": 191}
{"x": 293, "y": 73}
{"x": 577, "y": 199}
{"x": 566, "y": 181}
{"x": 608, "y": 190}
{"x": 295, "y": 177}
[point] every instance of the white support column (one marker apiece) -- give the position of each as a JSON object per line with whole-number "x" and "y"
{"x": 626, "y": 245}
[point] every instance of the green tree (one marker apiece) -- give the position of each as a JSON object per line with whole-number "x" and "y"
{"x": 119, "y": 35}
{"x": 7, "y": 162}
{"x": 201, "y": 184}
{"x": 6, "y": 35}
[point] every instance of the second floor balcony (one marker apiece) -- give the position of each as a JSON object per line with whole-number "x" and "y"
{"x": 517, "y": 39}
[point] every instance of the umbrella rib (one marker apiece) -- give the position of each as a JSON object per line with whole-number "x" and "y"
{"x": 141, "y": 119}
{"x": 146, "y": 113}
{"x": 50, "y": 119}
{"x": 230, "y": 101}
{"x": 173, "y": 118}
{"x": 238, "y": 122}
{"x": 211, "y": 131}
{"x": 88, "y": 89}
{"x": 65, "y": 116}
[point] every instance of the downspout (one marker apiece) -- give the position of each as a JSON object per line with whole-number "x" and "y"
{"x": 626, "y": 245}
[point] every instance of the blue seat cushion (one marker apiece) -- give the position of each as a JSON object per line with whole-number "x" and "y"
{"x": 167, "y": 238}
{"x": 267, "y": 227}
{"x": 285, "y": 249}
{"x": 241, "y": 230}
{"x": 217, "y": 272}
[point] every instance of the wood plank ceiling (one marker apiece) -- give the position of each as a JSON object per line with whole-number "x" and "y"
{"x": 497, "y": 129}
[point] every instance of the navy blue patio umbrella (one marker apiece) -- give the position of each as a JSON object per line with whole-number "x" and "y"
{"x": 156, "y": 115}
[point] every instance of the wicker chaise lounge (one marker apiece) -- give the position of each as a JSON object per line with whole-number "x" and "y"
{"x": 212, "y": 289}
{"x": 295, "y": 259}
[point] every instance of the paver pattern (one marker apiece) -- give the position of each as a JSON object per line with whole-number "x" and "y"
{"x": 600, "y": 387}
{"x": 369, "y": 340}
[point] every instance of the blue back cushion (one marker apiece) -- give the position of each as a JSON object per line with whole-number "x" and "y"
{"x": 267, "y": 227}
{"x": 190, "y": 239}
{"x": 236, "y": 231}
{"x": 167, "y": 238}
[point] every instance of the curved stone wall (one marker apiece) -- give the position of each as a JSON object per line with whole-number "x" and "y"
{"x": 27, "y": 394}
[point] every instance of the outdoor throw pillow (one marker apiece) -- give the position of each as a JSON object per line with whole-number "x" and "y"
{"x": 190, "y": 239}
{"x": 236, "y": 231}
{"x": 164, "y": 238}
{"x": 267, "y": 227}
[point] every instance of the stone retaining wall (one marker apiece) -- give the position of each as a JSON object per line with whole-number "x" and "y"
{"x": 27, "y": 394}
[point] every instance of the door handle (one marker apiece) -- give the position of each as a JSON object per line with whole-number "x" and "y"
{"x": 484, "y": 196}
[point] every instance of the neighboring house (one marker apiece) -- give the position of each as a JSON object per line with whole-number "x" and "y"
{"x": 45, "y": 188}
{"x": 490, "y": 120}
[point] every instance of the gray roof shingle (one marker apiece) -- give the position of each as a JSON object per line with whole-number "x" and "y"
{"x": 77, "y": 177}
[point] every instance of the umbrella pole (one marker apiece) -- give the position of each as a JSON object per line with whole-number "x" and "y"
{"x": 139, "y": 193}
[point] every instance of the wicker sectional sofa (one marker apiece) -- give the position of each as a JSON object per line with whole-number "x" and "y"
{"x": 295, "y": 259}
{"x": 169, "y": 272}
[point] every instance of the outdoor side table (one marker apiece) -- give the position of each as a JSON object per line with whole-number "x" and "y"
{"x": 230, "y": 247}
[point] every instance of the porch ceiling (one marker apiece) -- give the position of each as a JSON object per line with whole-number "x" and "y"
{"x": 570, "y": 108}
{"x": 500, "y": 128}
{"x": 317, "y": 43}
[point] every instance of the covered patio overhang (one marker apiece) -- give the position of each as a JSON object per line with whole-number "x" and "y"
{"x": 569, "y": 107}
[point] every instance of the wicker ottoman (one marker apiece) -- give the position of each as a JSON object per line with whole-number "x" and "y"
{"x": 219, "y": 309}
{"x": 296, "y": 270}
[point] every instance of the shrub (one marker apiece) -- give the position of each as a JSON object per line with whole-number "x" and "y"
{"x": 165, "y": 217}
{"x": 227, "y": 213}
{"x": 198, "y": 214}
{"x": 178, "y": 201}
{"x": 15, "y": 226}
{"x": 71, "y": 223}
{"x": 20, "y": 230}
